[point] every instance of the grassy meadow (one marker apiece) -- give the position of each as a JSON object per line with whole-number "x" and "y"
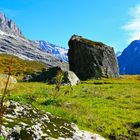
{"x": 109, "y": 107}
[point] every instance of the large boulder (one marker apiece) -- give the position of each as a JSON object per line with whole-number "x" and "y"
{"x": 70, "y": 78}
{"x": 89, "y": 59}
{"x": 24, "y": 122}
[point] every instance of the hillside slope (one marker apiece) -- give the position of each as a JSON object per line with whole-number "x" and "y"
{"x": 129, "y": 60}
{"x": 19, "y": 66}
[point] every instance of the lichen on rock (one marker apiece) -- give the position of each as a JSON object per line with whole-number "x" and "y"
{"x": 23, "y": 122}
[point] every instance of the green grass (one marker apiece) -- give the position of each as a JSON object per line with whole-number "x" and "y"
{"x": 109, "y": 107}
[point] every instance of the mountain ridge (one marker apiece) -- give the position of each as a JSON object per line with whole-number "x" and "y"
{"x": 9, "y": 26}
{"x": 13, "y": 42}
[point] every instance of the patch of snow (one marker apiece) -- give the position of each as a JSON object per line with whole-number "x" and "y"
{"x": 58, "y": 52}
{"x": 118, "y": 54}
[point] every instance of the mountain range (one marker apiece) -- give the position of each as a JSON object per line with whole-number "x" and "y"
{"x": 12, "y": 41}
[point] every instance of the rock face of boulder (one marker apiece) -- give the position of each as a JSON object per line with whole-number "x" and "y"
{"x": 89, "y": 59}
{"x": 70, "y": 78}
{"x": 23, "y": 122}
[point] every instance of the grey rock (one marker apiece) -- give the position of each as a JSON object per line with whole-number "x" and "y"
{"x": 25, "y": 122}
{"x": 70, "y": 78}
{"x": 89, "y": 59}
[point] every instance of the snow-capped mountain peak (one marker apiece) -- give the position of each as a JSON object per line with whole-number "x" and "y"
{"x": 57, "y": 51}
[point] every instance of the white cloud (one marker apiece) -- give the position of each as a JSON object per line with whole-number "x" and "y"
{"x": 133, "y": 26}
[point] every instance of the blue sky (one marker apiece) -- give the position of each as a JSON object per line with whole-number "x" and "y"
{"x": 113, "y": 22}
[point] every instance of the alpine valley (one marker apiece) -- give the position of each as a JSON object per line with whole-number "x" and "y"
{"x": 51, "y": 93}
{"x": 13, "y": 42}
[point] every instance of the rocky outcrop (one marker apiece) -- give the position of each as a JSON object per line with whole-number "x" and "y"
{"x": 89, "y": 59}
{"x": 9, "y": 26}
{"x": 23, "y": 122}
{"x": 129, "y": 60}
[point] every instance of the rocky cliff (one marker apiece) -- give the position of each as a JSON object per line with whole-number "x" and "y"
{"x": 129, "y": 60}
{"x": 9, "y": 26}
{"x": 90, "y": 59}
